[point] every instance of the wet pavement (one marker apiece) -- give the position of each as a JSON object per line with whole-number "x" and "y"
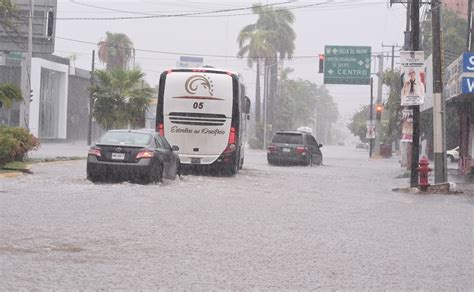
{"x": 338, "y": 226}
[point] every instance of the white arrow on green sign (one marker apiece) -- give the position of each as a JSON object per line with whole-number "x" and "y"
{"x": 347, "y": 65}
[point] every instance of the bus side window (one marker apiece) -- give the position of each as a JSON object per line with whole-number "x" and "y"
{"x": 247, "y": 105}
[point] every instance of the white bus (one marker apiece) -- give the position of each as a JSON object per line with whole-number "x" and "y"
{"x": 204, "y": 111}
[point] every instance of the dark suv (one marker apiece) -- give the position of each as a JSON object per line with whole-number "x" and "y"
{"x": 294, "y": 147}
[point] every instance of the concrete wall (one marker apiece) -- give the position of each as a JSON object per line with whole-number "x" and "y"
{"x": 78, "y": 107}
{"x": 62, "y": 73}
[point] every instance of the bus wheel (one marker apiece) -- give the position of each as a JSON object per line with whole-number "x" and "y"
{"x": 233, "y": 167}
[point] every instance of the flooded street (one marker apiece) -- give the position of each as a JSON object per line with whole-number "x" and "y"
{"x": 338, "y": 226}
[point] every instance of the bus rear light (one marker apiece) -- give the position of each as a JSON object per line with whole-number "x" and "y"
{"x": 95, "y": 151}
{"x": 161, "y": 129}
{"x": 301, "y": 150}
{"x": 145, "y": 154}
{"x": 232, "y": 136}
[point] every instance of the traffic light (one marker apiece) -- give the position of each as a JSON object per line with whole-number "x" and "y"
{"x": 321, "y": 63}
{"x": 378, "y": 111}
{"x": 31, "y": 95}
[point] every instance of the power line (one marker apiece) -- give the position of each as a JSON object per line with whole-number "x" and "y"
{"x": 148, "y": 16}
{"x": 198, "y": 55}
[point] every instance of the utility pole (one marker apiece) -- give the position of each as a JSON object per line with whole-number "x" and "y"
{"x": 439, "y": 104}
{"x": 371, "y": 141}
{"x": 91, "y": 102}
{"x": 470, "y": 28}
{"x": 407, "y": 45}
{"x": 26, "y": 72}
{"x": 415, "y": 46}
{"x": 378, "y": 120}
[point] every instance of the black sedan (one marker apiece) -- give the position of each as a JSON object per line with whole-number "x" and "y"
{"x": 135, "y": 155}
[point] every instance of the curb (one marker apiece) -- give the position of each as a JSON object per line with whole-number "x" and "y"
{"x": 10, "y": 174}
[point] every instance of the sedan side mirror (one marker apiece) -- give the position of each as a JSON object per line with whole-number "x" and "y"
{"x": 175, "y": 148}
{"x": 320, "y": 145}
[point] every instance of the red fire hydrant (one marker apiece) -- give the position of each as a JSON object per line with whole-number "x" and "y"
{"x": 424, "y": 171}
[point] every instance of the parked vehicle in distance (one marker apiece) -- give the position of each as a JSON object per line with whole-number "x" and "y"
{"x": 294, "y": 147}
{"x": 453, "y": 154}
{"x": 362, "y": 145}
{"x": 135, "y": 155}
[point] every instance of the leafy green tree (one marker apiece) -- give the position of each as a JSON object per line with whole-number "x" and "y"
{"x": 8, "y": 16}
{"x": 253, "y": 43}
{"x": 116, "y": 51}
{"x": 119, "y": 98}
{"x": 453, "y": 39}
{"x": 303, "y": 103}
{"x": 392, "y": 108}
{"x": 9, "y": 93}
{"x": 279, "y": 21}
{"x": 358, "y": 124}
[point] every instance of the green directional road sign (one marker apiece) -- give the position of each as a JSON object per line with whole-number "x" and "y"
{"x": 346, "y": 65}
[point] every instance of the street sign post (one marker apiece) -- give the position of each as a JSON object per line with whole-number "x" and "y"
{"x": 347, "y": 65}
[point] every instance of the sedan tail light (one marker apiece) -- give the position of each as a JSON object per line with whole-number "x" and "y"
{"x": 301, "y": 150}
{"x": 145, "y": 154}
{"x": 95, "y": 151}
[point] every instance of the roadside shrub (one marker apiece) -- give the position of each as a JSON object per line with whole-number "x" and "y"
{"x": 15, "y": 143}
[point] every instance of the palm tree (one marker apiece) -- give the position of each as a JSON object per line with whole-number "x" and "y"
{"x": 253, "y": 44}
{"x": 9, "y": 93}
{"x": 279, "y": 22}
{"x": 116, "y": 51}
{"x": 120, "y": 100}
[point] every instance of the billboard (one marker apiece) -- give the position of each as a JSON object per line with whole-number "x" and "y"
{"x": 413, "y": 76}
{"x": 190, "y": 62}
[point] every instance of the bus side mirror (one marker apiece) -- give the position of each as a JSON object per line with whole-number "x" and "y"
{"x": 247, "y": 105}
{"x": 175, "y": 148}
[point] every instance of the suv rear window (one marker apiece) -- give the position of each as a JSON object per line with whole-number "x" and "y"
{"x": 289, "y": 138}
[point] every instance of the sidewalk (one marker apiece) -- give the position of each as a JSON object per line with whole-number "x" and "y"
{"x": 464, "y": 183}
{"x": 53, "y": 150}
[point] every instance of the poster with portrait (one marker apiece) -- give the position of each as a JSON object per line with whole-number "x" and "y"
{"x": 413, "y": 78}
{"x": 407, "y": 125}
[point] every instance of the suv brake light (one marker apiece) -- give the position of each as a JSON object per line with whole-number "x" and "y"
{"x": 301, "y": 150}
{"x": 272, "y": 148}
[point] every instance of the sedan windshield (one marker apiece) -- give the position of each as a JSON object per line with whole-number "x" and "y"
{"x": 125, "y": 138}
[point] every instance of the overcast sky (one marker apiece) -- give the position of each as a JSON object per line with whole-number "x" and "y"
{"x": 213, "y": 36}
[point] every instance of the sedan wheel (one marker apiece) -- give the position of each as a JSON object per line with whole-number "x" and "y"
{"x": 155, "y": 174}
